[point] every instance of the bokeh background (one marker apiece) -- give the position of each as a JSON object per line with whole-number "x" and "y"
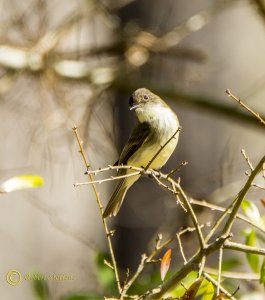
{"x": 66, "y": 63}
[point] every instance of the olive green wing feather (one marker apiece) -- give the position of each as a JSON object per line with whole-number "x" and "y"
{"x": 139, "y": 135}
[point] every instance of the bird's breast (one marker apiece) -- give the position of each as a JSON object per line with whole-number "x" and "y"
{"x": 162, "y": 129}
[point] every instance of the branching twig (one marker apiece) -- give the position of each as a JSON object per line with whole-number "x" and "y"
{"x": 177, "y": 188}
{"x": 191, "y": 265}
{"x": 220, "y": 208}
{"x": 135, "y": 276}
{"x": 158, "y": 247}
{"x": 221, "y": 241}
{"x": 245, "y": 106}
{"x": 241, "y": 196}
{"x": 214, "y": 282}
{"x": 190, "y": 211}
{"x": 108, "y": 235}
{"x": 198, "y": 260}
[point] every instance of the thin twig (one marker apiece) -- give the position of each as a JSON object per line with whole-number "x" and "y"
{"x": 245, "y": 106}
{"x": 107, "y": 232}
{"x": 162, "y": 147}
{"x": 173, "y": 190}
{"x": 106, "y": 179}
{"x": 233, "y": 275}
{"x": 81, "y": 150}
{"x": 116, "y": 168}
{"x": 241, "y": 196}
{"x": 220, "y": 208}
{"x": 184, "y": 163}
{"x": 247, "y": 159}
{"x": 181, "y": 248}
{"x": 135, "y": 276}
{"x": 244, "y": 248}
{"x": 214, "y": 282}
{"x": 202, "y": 265}
{"x": 258, "y": 186}
{"x": 177, "y": 196}
{"x": 219, "y": 269}
{"x": 190, "y": 211}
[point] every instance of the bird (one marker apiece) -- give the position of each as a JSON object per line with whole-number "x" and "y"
{"x": 158, "y": 126}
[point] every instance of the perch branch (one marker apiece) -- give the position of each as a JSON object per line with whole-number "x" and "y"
{"x": 108, "y": 235}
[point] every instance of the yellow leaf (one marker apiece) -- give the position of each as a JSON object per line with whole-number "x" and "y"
{"x": 21, "y": 182}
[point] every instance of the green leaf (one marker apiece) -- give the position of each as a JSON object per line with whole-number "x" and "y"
{"x": 21, "y": 182}
{"x": 209, "y": 292}
{"x": 40, "y": 287}
{"x": 262, "y": 273}
{"x": 185, "y": 284}
{"x": 252, "y": 212}
{"x": 105, "y": 273}
{"x": 253, "y": 259}
{"x": 230, "y": 263}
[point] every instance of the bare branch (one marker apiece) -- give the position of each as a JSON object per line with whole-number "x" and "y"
{"x": 107, "y": 179}
{"x": 247, "y": 159}
{"x": 258, "y": 186}
{"x": 107, "y": 232}
{"x": 190, "y": 211}
{"x": 219, "y": 208}
{"x": 245, "y": 106}
{"x": 244, "y": 248}
{"x": 219, "y": 270}
{"x": 184, "y": 163}
{"x": 240, "y": 197}
{"x": 233, "y": 275}
{"x": 214, "y": 282}
{"x": 181, "y": 248}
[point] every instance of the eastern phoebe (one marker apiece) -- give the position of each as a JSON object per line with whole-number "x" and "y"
{"x": 157, "y": 124}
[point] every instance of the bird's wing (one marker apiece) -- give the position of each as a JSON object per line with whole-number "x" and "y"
{"x": 139, "y": 135}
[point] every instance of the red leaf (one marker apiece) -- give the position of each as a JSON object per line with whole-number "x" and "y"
{"x": 165, "y": 264}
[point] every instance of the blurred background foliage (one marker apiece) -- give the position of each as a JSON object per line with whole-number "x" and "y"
{"x": 66, "y": 63}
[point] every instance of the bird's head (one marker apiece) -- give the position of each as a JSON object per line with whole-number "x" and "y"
{"x": 146, "y": 104}
{"x": 142, "y": 97}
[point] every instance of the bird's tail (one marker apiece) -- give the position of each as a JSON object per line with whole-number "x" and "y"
{"x": 116, "y": 200}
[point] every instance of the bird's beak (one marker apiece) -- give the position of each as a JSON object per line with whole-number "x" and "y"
{"x": 133, "y": 107}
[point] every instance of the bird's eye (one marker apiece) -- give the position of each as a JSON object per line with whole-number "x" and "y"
{"x": 146, "y": 97}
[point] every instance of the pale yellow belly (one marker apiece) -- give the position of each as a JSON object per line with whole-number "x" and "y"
{"x": 143, "y": 156}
